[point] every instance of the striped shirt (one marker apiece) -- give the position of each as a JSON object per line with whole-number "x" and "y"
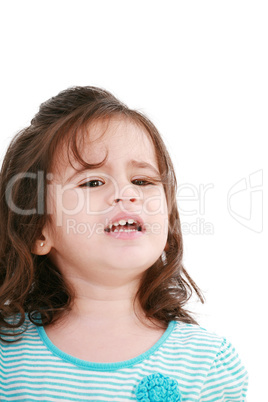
{"x": 187, "y": 363}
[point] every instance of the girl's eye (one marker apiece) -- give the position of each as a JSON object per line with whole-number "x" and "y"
{"x": 140, "y": 182}
{"x": 92, "y": 183}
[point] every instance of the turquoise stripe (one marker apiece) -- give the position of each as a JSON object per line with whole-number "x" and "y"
{"x": 58, "y": 375}
{"x": 47, "y": 387}
{"x": 70, "y": 398}
{"x": 61, "y": 370}
{"x": 127, "y": 382}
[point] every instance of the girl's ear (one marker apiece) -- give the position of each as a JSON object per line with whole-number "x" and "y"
{"x": 42, "y": 245}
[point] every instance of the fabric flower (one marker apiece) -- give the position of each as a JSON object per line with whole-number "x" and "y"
{"x": 158, "y": 388}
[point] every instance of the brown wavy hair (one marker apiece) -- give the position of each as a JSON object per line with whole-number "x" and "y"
{"x": 31, "y": 284}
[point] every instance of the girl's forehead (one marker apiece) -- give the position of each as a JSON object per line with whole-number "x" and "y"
{"x": 116, "y": 138}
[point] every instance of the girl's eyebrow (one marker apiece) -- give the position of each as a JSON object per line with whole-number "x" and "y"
{"x": 132, "y": 163}
{"x": 142, "y": 165}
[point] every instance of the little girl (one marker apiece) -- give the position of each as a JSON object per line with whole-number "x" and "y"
{"x": 92, "y": 285}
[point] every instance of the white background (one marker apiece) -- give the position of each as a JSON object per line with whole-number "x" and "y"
{"x": 198, "y": 69}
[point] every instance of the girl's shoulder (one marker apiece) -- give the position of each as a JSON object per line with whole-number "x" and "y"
{"x": 203, "y": 348}
{"x": 194, "y": 337}
{"x": 194, "y": 333}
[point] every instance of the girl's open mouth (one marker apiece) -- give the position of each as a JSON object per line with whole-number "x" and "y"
{"x": 127, "y": 228}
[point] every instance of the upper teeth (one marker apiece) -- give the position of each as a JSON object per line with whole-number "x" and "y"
{"x": 122, "y": 222}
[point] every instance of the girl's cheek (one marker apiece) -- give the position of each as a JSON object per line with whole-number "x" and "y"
{"x": 82, "y": 204}
{"x": 155, "y": 203}
{"x": 64, "y": 198}
{"x": 70, "y": 200}
{"x": 64, "y": 202}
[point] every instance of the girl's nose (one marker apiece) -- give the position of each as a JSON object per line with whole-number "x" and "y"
{"x": 125, "y": 193}
{"x": 124, "y": 198}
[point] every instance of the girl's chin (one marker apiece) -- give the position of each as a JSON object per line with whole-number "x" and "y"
{"x": 136, "y": 263}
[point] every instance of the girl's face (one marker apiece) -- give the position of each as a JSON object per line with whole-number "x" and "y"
{"x": 90, "y": 208}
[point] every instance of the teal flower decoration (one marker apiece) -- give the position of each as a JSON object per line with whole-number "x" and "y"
{"x": 158, "y": 388}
